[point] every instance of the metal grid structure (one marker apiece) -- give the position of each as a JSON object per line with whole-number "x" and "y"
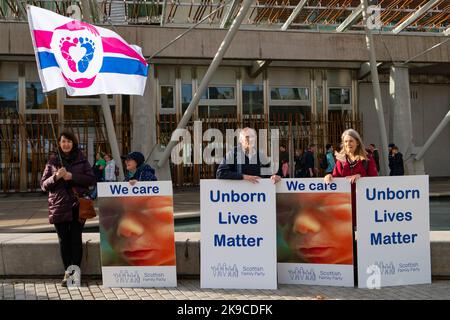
{"x": 295, "y": 132}
{"x": 318, "y": 15}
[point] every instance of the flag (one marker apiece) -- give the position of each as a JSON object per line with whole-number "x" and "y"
{"x": 84, "y": 59}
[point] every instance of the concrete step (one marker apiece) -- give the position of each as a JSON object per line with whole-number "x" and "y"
{"x": 37, "y": 254}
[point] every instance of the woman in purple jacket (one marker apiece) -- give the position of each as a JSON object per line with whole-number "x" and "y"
{"x": 60, "y": 180}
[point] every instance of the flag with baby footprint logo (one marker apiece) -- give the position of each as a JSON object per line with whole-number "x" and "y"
{"x": 84, "y": 59}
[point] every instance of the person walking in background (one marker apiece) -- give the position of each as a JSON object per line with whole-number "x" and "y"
{"x": 110, "y": 169}
{"x": 137, "y": 169}
{"x": 99, "y": 172}
{"x": 330, "y": 158}
{"x": 376, "y": 155}
{"x": 390, "y": 156}
{"x": 284, "y": 162}
{"x": 309, "y": 168}
{"x": 61, "y": 180}
{"x": 99, "y": 167}
{"x": 299, "y": 163}
{"x": 397, "y": 168}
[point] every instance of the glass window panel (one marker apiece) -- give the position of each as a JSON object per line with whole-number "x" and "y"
{"x": 339, "y": 96}
{"x": 253, "y": 99}
{"x": 221, "y": 92}
{"x": 167, "y": 100}
{"x": 36, "y": 98}
{"x": 284, "y": 93}
{"x": 186, "y": 96}
{"x": 9, "y": 96}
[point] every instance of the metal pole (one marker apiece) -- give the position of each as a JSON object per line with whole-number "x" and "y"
{"x": 376, "y": 91}
{"x": 111, "y": 132}
{"x": 209, "y": 73}
{"x": 433, "y": 136}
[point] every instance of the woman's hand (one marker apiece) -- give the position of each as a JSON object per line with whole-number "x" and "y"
{"x": 60, "y": 173}
{"x": 133, "y": 182}
{"x": 67, "y": 176}
{"x": 353, "y": 178}
{"x": 252, "y": 179}
{"x": 275, "y": 178}
{"x": 328, "y": 178}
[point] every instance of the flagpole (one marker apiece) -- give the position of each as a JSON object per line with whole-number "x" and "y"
{"x": 111, "y": 132}
{"x": 53, "y": 129}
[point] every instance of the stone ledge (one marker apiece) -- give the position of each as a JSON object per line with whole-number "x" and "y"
{"x": 37, "y": 254}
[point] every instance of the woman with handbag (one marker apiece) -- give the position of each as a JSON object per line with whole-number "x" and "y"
{"x": 65, "y": 182}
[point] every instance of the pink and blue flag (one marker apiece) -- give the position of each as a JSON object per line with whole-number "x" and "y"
{"x": 84, "y": 59}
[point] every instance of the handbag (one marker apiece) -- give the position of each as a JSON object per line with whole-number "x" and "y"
{"x": 86, "y": 209}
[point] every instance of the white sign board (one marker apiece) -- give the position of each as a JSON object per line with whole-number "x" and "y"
{"x": 393, "y": 231}
{"x": 315, "y": 234}
{"x": 137, "y": 237}
{"x": 238, "y": 234}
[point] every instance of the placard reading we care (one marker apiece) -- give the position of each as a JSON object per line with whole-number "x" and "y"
{"x": 137, "y": 234}
{"x": 393, "y": 231}
{"x": 238, "y": 234}
{"x": 315, "y": 234}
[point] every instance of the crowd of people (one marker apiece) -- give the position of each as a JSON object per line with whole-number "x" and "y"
{"x": 306, "y": 165}
{"x": 68, "y": 175}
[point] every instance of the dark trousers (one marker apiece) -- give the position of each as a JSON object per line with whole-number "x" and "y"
{"x": 70, "y": 241}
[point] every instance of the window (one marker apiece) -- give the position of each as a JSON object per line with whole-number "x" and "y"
{"x": 219, "y": 93}
{"x": 253, "y": 99}
{"x": 9, "y": 96}
{"x": 287, "y": 93}
{"x": 36, "y": 98}
{"x": 218, "y": 101}
{"x": 167, "y": 99}
{"x": 186, "y": 96}
{"x": 339, "y": 96}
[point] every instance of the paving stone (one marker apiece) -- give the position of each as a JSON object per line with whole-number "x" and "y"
{"x": 24, "y": 289}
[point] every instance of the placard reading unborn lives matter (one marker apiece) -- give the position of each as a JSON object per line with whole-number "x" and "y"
{"x": 393, "y": 231}
{"x": 238, "y": 234}
{"x": 315, "y": 234}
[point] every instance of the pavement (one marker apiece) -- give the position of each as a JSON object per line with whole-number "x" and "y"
{"x": 189, "y": 289}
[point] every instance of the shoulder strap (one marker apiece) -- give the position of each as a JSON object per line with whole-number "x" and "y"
{"x": 365, "y": 165}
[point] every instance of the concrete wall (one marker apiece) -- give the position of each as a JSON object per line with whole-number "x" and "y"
{"x": 429, "y": 104}
{"x": 38, "y": 254}
{"x": 254, "y": 44}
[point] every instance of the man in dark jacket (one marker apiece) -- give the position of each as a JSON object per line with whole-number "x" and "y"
{"x": 309, "y": 168}
{"x": 245, "y": 161}
{"x": 397, "y": 168}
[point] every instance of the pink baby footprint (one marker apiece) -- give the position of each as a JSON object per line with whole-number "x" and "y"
{"x": 65, "y": 45}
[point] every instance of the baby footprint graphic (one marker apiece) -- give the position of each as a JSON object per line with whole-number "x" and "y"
{"x": 65, "y": 44}
{"x": 89, "y": 45}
